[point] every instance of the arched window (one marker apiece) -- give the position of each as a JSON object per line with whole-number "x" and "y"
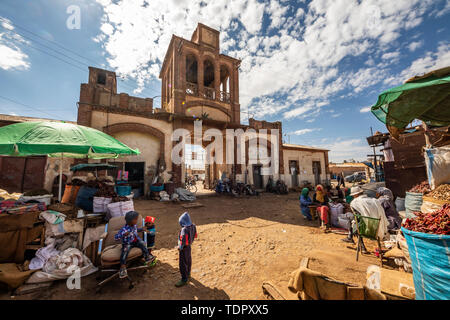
{"x": 191, "y": 75}
{"x": 224, "y": 84}
{"x": 208, "y": 80}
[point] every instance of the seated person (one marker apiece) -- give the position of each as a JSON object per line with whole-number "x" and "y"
{"x": 321, "y": 198}
{"x": 386, "y": 199}
{"x": 340, "y": 194}
{"x": 305, "y": 202}
{"x": 368, "y": 207}
{"x": 130, "y": 239}
{"x": 348, "y": 197}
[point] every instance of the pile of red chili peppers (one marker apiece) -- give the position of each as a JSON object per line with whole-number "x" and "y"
{"x": 436, "y": 222}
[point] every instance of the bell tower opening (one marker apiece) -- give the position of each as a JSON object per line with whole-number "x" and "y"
{"x": 191, "y": 75}
{"x": 208, "y": 79}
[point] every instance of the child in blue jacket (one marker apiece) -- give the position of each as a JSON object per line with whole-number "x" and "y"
{"x": 130, "y": 239}
{"x": 186, "y": 236}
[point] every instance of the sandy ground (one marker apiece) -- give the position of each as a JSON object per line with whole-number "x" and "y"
{"x": 241, "y": 243}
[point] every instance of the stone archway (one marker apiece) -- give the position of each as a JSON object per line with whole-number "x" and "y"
{"x": 210, "y": 104}
{"x": 138, "y": 127}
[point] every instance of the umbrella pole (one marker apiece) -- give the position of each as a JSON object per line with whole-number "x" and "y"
{"x": 60, "y": 178}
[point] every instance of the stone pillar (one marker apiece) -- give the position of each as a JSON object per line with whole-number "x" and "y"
{"x": 84, "y": 105}
{"x": 234, "y": 90}
{"x": 225, "y": 87}
{"x": 200, "y": 79}
{"x": 217, "y": 79}
{"x": 163, "y": 92}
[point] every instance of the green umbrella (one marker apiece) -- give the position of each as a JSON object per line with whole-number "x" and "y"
{"x": 59, "y": 139}
{"x": 426, "y": 98}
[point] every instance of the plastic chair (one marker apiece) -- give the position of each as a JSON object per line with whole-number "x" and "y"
{"x": 109, "y": 253}
{"x": 367, "y": 227}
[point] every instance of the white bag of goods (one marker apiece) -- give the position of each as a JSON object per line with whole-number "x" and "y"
{"x": 336, "y": 210}
{"x": 101, "y": 204}
{"x": 119, "y": 209}
{"x": 413, "y": 202}
{"x": 437, "y": 161}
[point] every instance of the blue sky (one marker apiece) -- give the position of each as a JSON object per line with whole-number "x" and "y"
{"x": 317, "y": 66}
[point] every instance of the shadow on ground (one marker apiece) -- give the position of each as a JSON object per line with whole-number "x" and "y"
{"x": 158, "y": 283}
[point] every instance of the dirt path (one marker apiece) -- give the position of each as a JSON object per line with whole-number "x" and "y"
{"x": 241, "y": 243}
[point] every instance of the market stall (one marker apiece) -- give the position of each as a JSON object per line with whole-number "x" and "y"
{"x": 426, "y": 227}
{"x": 57, "y": 230}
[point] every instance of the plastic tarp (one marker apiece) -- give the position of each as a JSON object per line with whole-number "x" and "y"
{"x": 185, "y": 195}
{"x": 430, "y": 257}
{"x": 71, "y": 262}
{"x": 425, "y": 98}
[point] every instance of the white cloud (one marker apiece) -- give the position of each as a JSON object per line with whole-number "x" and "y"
{"x": 431, "y": 61}
{"x": 413, "y": 46}
{"x": 297, "y": 59}
{"x": 365, "y": 109}
{"x": 444, "y": 10}
{"x": 344, "y": 149}
{"x": 303, "y": 131}
{"x": 391, "y": 55}
{"x": 12, "y": 56}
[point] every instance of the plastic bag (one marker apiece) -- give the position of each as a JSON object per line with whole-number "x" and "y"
{"x": 101, "y": 204}
{"x": 437, "y": 161}
{"x": 118, "y": 209}
{"x": 413, "y": 202}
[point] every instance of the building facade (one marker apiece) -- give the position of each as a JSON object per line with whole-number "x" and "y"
{"x": 197, "y": 83}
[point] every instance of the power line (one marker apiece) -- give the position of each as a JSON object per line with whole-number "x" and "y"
{"x": 61, "y": 53}
{"x": 25, "y": 105}
{"x": 51, "y": 41}
{"x": 60, "y": 59}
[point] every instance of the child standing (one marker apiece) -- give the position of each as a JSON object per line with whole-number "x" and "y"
{"x": 151, "y": 232}
{"x": 186, "y": 236}
{"x": 130, "y": 239}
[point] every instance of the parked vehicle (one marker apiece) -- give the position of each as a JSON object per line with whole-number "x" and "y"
{"x": 356, "y": 177}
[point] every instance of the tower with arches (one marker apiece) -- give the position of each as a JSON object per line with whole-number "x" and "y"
{"x": 198, "y": 81}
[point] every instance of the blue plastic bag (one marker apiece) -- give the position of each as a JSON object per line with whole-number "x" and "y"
{"x": 430, "y": 259}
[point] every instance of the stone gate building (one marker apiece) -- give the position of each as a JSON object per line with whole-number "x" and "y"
{"x": 198, "y": 83}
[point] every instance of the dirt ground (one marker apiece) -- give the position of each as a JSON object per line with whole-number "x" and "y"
{"x": 241, "y": 243}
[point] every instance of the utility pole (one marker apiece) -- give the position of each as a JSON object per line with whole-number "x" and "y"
{"x": 374, "y": 158}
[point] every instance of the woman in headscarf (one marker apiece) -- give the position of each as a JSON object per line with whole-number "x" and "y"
{"x": 305, "y": 202}
{"x": 348, "y": 197}
{"x": 386, "y": 199}
{"x": 321, "y": 198}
